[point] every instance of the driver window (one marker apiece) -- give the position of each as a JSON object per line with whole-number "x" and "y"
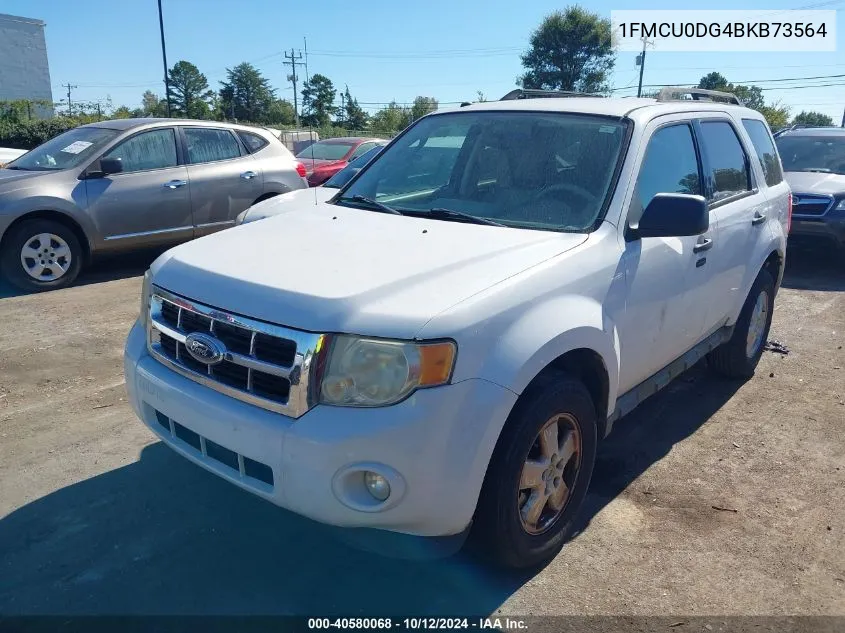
{"x": 670, "y": 165}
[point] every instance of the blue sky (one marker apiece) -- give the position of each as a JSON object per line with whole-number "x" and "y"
{"x": 382, "y": 50}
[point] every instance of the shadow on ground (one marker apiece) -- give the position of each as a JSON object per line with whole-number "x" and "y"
{"x": 162, "y": 536}
{"x": 819, "y": 269}
{"x": 105, "y": 268}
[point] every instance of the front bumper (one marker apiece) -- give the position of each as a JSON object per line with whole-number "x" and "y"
{"x": 434, "y": 447}
{"x": 829, "y": 227}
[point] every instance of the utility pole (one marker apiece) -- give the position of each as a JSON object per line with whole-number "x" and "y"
{"x": 164, "y": 58}
{"x": 99, "y": 112}
{"x": 843, "y": 119}
{"x": 641, "y": 63}
{"x": 69, "y": 104}
{"x": 293, "y": 61}
{"x": 343, "y": 107}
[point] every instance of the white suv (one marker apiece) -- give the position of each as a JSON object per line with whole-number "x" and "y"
{"x": 443, "y": 343}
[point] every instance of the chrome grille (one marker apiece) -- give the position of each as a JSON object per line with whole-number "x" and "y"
{"x": 263, "y": 364}
{"x": 811, "y": 204}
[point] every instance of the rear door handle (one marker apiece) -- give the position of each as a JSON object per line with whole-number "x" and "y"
{"x": 175, "y": 184}
{"x": 248, "y": 175}
{"x": 703, "y": 244}
{"x": 758, "y": 218}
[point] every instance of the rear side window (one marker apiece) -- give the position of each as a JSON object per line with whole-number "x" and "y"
{"x": 670, "y": 165}
{"x": 206, "y": 145}
{"x": 728, "y": 164}
{"x": 253, "y": 142}
{"x": 765, "y": 149}
{"x": 155, "y": 149}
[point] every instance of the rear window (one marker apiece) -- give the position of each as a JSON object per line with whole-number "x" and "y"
{"x": 325, "y": 151}
{"x": 253, "y": 142}
{"x": 729, "y": 166}
{"x": 765, "y": 150}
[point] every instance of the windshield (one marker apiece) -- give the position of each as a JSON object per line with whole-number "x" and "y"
{"x": 326, "y": 151}
{"x": 824, "y": 154}
{"x": 66, "y": 150}
{"x": 345, "y": 175}
{"x": 539, "y": 170}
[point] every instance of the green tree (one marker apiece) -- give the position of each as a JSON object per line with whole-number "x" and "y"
{"x": 122, "y": 112}
{"x": 246, "y": 95}
{"x": 153, "y": 105}
{"x": 318, "y": 94}
{"x": 390, "y": 119}
{"x": 570, "y": 50}
{"x": 281, "y": 113}
{"x": 355, "y": 117}
{"x": 777, "y": 115}
{"x": 422, "y": 106}
{"x": 480, "y": 97}
{"x": 812, "y": 118}
{"x": 189, "y": 93}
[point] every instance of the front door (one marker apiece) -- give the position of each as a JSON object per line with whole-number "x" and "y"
{"x": 666, "y": 277}
{"x": 225, "y": 179}
{"x": 149, "y": 202}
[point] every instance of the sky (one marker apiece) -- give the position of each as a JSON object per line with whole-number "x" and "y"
{"x": 447, "y": 49}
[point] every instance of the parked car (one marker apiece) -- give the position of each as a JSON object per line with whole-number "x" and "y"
{"x": 443, "y": 345}
{"x": 324, "y": 159}
{"x": 814, "y": 162}
{"x": 7, "y": 154}
{"x": 299, "y": 198}
{"x": 119, "y": 185}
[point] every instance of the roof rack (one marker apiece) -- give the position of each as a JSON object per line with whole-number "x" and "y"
{"x": 526, "y": 93}
{"x": 697, "y": 94}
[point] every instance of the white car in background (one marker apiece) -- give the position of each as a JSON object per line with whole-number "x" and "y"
{"x": 322, "y": 193}
{"x": 7, "y": 154}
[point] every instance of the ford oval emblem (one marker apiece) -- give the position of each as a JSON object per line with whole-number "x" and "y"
{"x": 205, "y": 349}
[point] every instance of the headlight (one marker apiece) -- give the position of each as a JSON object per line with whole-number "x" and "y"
{"x": 363, "y": 372}
{"x": 841, "y": 205}
{"x": 146, "y": 289}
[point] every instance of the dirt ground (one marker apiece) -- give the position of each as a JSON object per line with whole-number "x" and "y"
{"x": 713, "y": 498}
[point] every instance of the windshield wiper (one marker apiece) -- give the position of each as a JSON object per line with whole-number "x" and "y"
{"x": 451, "y": 214}
{"x": 374, "y": 203}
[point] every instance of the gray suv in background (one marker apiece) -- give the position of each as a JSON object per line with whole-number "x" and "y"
{"x": 130, "y": 183}
{"x": 814, "y": 165}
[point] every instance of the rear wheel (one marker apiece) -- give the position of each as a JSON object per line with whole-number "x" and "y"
{"x": 539, "y": 474}
{"x": 738, "y": 357}
{"x": 41, "y": 255}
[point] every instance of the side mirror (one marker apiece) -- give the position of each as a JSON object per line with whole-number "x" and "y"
{"x": 673, "y": 215}
{"x": 111, "y": 166}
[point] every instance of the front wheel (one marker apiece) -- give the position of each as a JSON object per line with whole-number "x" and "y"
{"x": 539, "y": 474}
{"x": 738, "y": 357}
{"x": 41, "y": 255}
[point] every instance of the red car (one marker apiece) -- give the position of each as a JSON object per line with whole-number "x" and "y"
{"x": 324, "y": 159}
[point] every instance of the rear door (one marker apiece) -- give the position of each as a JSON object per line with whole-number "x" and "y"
{"x": 739, "y": 206}
{"x": 225, "y": 179}
{"x": 149, "y": 202}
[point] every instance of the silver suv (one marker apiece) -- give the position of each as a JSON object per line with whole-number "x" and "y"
{"x": 130, "y": 183}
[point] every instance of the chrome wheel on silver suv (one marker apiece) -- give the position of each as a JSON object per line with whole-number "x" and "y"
{"x": 41, "y": 254}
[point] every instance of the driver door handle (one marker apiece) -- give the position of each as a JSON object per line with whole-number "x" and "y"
{"x": 758, "y": 218}
{"x": 248, "y": 175}
{"x": 703, "y": 244}
{"x": 175, "y": 184}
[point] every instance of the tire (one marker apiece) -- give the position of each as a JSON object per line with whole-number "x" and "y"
{"x": 499, "y": 527}
{"x": 30, "y": 234}
{"x": 738, "y": 358}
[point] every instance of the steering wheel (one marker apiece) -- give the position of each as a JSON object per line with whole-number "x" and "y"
{"x": 588, "y": 197}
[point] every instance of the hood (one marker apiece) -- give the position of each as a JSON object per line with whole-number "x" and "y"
{"x": 814, "y": 182}
{"x": 336, "y": 269}
{"x": 286, "y": 202}
{"x": 14, "y": 180}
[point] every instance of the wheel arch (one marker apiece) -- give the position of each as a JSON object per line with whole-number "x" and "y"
{"x": 56, "y": 216}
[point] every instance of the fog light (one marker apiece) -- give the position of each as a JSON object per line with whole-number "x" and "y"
{"x": 377, "y": 485}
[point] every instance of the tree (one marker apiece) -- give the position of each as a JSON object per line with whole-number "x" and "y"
{"x": 152, "y": 105}
{"x": 281, "y": 113}
{"x": 481, "y": 98}
{"x": 189, "y": 93}
{"x": 570, "y": 50}
{"x": 246, "y": 95}
{"x": 355, "y": 117}
{"x": 777, "y": 115}
{"x": 318, "y": 94}
{"x": 390, "y": 119}
{"x": 122, "y": 112}
{"x": 813, "y": 119}
{"x": 422, "y": 106}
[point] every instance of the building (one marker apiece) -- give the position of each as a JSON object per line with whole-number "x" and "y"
{"x": 24, "y": 70}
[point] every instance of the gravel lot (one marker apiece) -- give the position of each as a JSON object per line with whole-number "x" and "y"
{"x": 713, "y": 498}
